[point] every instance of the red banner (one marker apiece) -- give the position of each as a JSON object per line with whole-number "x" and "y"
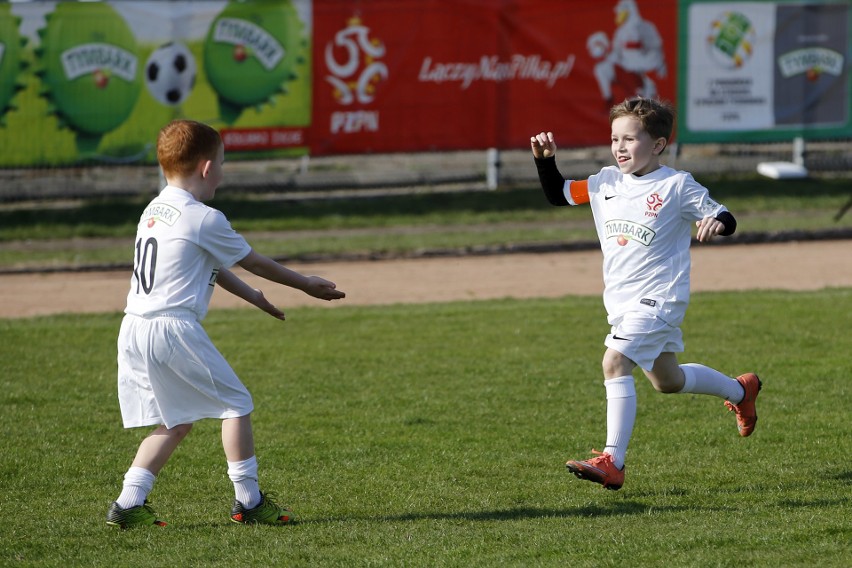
{"x": 398, "y": 76}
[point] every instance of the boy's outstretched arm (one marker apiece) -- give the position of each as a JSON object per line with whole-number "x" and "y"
{"x": 232, "y": 283}
{"x": 267, "y": 268}
{"x": 544, "y": 151}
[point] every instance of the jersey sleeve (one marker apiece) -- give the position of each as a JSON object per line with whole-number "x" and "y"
{"x": 696, "y": 202}
{"x": 219, "y": 239}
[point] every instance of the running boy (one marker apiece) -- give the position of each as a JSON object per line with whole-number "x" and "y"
{"x": 169, "y": 373}
{"x": 643, "y": 213}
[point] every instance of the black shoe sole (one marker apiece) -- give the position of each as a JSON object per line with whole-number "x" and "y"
{"x": 580, "y": 474}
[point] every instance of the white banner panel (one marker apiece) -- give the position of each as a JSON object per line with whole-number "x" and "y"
{"x": 730, "y": 66}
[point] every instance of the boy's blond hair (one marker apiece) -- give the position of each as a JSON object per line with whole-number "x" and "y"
{"x": 657, "y": 117}
{"x": 182, "y": 144}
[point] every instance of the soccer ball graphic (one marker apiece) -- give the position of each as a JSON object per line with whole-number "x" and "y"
{"x": 597, "y": 45}
{"x": 170, "y": 73}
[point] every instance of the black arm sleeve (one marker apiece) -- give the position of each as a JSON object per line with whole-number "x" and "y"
{"x": 728, "y": 220}
{"x": 551, "y": 180}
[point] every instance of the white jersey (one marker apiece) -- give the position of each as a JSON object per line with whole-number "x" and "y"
{"x": 180, "y": 246}
{"x": 644, "y": 225}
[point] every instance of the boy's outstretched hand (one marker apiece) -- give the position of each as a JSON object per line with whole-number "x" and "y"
{"x": 543, "y": 145}
{"x": 323, "y": 289}
{"x": 708, "y": 228}
{"x": 261, "y": 302}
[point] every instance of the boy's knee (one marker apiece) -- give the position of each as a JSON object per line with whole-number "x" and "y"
{"x": 666, "y": 380}
{"x": 616, "y": 364}
{"x": 180, "y": 431}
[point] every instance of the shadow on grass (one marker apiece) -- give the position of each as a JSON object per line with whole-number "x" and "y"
{"x": 812, "y": 503}
{"x": 624, "y": 508}
{"x": 844, "y": 476}
{"x": 515, "y": 514}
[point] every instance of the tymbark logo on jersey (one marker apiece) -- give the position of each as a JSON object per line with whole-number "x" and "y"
{"x": 626, "y": 231}
{"x": 160, "y": 212}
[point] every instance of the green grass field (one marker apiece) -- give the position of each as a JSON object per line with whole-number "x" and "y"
{"x": 391, "y": 225}
{"x": 435, "y": 435}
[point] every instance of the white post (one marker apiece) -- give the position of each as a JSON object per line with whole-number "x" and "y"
{"x": 799, "y": 151}
{"x": 492, "y": 168}
{"x": 304, "y": 163}
{"x": 794, "y": 169}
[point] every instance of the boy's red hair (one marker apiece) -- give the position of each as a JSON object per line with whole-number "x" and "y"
{"x": 182, "y": 144}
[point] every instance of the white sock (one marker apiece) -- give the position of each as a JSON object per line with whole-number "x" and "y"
{"x": 244, "y": 475}
{"x": 620, "y": 416}
{"x": 138, "y": 483}
{"x": 700, "y": 379}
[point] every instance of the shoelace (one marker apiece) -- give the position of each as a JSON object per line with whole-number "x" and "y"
{"x": 602, "y": 457}
{"x": 269, "y": 502}
{"x": 147, "y": 506}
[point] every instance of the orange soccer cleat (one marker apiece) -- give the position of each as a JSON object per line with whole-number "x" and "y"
{"x": 745, "y": 410}
{"x": 599, "y": 470}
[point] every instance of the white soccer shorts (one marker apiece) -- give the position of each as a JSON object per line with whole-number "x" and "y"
{"x": 642, "y": 337}
{"x": 170, "y": 373}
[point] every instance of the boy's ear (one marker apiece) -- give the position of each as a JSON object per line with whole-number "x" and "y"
{"x": 660, "y": 145}
{"x": 204, "y": 167}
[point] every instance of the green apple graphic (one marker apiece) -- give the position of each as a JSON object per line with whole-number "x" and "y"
{"x": 250, "y": 53}
{"x": 89, "y": 68}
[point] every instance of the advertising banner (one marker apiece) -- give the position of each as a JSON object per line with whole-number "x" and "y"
{"x": 87, "y": 82}
{"x": 467, "y": 74}
{"x": 755, "y": 71}
{"x": 84, "y": 82}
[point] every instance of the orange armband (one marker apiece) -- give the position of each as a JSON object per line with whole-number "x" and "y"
{"x": 579, "y": 191}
